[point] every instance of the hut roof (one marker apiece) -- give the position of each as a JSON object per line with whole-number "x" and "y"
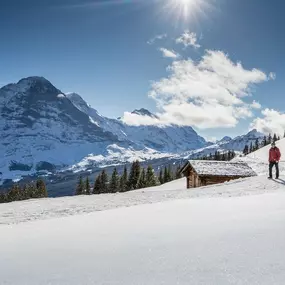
{"x": 220, "y": 168}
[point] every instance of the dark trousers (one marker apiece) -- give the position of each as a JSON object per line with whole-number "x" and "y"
{"x": 271, "y": 164}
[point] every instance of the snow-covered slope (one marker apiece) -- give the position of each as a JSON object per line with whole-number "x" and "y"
{"x": 258, "y": 160}
{"x": 234, "y": 236}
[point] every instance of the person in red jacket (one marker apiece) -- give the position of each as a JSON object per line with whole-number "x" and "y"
{"x": 274, "y": 157}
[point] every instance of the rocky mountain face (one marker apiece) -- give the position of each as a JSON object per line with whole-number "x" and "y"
{"x": 43, "y": 129}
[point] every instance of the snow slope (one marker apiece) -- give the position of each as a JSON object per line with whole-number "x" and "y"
{"x": 236, "y": 240}
{"x": 258, "y": 160}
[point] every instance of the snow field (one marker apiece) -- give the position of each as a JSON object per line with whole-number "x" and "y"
{"x": 194, "y": 241}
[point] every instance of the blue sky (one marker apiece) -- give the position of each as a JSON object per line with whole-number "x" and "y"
{"x": 102, "y": 50}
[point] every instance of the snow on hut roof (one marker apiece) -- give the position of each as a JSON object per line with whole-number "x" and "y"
{"x": 220, "y": 168}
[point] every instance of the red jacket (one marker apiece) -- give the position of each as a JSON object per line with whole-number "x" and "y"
{"x": 274, "y": 154}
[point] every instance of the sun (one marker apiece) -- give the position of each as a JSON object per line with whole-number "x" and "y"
{"x": 185, "y": 10}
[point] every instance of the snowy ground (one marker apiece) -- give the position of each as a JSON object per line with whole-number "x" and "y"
{"x": 195, "y": 241}
{"x": 31, "y": 210}
{"x": 223, "y": 234}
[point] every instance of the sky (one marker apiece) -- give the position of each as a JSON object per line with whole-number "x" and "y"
{"x": 215, "y": 65}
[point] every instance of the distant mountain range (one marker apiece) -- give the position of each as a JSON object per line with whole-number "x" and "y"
{"x": 45, "y": 130}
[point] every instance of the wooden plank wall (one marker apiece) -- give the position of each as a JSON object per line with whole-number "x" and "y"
{"x": 193, "y": 180}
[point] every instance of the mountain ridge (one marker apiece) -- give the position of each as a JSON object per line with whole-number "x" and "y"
{"x": 45, "y": 129}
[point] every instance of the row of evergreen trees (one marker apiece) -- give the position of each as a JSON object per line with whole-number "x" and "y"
{"x": 220, "y": 156}
{"x": 28, "y": 191}
{"x": 137, "y": 178}
{"x": 257, "y": 145}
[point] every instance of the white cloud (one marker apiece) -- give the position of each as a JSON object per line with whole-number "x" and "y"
{"x": 272, "y": 122}
{"x": 138, "y": 120}
{"x": 206, "y": 94}
{"x": 169, "y": 53}
{"x": 272, "y": 75}
{"x": 158, "y": 37}
{"x": 188, "y": 39}
{"x": 255, "y": 105}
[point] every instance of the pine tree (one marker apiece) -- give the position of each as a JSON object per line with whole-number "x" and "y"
{"x": 2, "y": 197}
{"x": 251, "y": 148}
{"x": 142, "y": 180}
{"x": 170, "y": 174}
{"x": 80, "y": 187}
{"x": 264, "y": 141}
{"x": 178, "y": 174}
{"x": 256, "y": 147}
{"x": 87, "y": 186}
{"x": 150, "y": 177}
{"x": 41, "y": 188}
{"x": 274, "y": 138}
{"x": 223, "y": 158}
{"x": 115, "y": 181}
{"x": 97, "y": 185}
{"x": 104, "y": 182}
{"x": 269, "y": 141}
{"x": 124, "y": 181}
{"x": 31, "y": 191}
{"x": 13, "y": 194}
{"x": 165, "y": 175}
{"x": 278, "y": 138}
{"x": 160, "y": 177}
{"x": 134, "y": 175}
{"x": 284, "y": 134}
{"x": 24, "y": 192}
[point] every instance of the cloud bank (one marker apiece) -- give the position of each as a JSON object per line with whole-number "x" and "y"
{"x": 210, "y": 93}
{"x": 271, "y": 122}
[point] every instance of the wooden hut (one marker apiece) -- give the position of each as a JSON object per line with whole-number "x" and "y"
{"x": 205, "y": 172}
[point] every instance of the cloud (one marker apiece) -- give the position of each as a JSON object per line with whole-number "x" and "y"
{"x": 158, "y": 37}
{"x": 255, "y": 105}
{"x": 169, "y": 53}
{"x": 272, "y": 75}
{"x": 206, "y": 94}
{"x": 271, "y": 122}
{"x": 138, "y": 120}
{"x": 188, "y": 39}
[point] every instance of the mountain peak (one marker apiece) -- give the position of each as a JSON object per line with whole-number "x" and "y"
{"x": 144, "y": 112}
{"x": 37, "y": 84}
{"x": 225, "y": 139}
{"x": 255, "y": 133}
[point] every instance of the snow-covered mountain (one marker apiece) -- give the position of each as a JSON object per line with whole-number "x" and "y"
{"x": 237, "y": 144}
{"x": 169, "y": 139}
{"x": 43, "y": 129}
